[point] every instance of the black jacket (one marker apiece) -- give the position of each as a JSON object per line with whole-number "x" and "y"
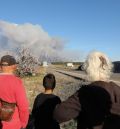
{"x": 85, "y": 105}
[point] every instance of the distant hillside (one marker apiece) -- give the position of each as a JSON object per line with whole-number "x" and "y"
{"x": 116, "y": 68}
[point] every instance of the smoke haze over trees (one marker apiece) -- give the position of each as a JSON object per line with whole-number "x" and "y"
{"x": 37, "y": 40}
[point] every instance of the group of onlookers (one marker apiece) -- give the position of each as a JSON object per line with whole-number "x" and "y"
{"x": 94, "y": 106}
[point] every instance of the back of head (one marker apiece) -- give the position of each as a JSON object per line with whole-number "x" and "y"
{"x": 49, "y": 81}
{"x": 98, "y": 66}
{"x": 7, "y": 60}
{"x": 8, "y": 64}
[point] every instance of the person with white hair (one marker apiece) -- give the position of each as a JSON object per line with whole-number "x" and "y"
{"x": 98, "y": 67}
{"x": 97, "y": 104}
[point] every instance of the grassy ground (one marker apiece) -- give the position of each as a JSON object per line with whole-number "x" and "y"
{"x": 33, "y": 85}
{"x": 65, "y": 87}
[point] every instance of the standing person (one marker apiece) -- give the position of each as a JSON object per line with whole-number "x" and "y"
{"x": 96, "y": 105}
{"x": 44, "y": 105}
{"x": 12, "y": 92}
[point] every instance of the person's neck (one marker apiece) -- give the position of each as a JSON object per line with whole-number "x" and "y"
{"x": 8, "y": 71}
{"x": 48, "y": 91}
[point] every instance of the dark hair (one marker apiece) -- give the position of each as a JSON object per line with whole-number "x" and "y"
{"x": 49, "y": 81}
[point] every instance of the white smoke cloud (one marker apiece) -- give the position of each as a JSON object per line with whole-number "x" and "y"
{"x": 13, "y": 36}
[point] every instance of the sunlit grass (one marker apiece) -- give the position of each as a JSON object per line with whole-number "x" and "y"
{"x": 33, "y": 85}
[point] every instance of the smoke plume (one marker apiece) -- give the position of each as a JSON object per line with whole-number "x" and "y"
{"x": 39, "y": 42}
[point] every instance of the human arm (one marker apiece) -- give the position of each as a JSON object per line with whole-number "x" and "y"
{"x": 68, "y": 109}
{"x": 115, "y": 109}
{"x": 22, "y": 103}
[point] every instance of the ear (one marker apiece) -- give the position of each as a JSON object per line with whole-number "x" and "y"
{"x": 14, "y": 67}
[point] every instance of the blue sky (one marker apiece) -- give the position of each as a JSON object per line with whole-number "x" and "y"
{"x": 85, "y": 24}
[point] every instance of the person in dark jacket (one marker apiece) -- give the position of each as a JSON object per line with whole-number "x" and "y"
{"x": 96, "y": 105}
{"x": 44, "y": 105}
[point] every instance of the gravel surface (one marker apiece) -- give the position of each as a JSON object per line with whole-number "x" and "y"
{"x": 66, "y": 85}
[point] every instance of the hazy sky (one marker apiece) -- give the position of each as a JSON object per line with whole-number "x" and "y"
{"x": 84, "y": 24}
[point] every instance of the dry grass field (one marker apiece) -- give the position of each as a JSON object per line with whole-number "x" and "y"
{"x": 64, "y": 88}
{"x": 33, "y": 85}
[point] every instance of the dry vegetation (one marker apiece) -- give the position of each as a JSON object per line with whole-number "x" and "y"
{"x": 65, "y": 87}
{"x": 33, "y": 85}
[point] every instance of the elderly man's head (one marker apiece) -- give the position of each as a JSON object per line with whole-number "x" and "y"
{"x": 98, "y": 66}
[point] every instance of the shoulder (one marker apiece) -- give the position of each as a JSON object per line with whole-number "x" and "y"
{"x": 56, "y": 96}
{"x": 113, "y": 84}
{"x": 39, "y": 95}
{"x": 99, "y": 83}
{"x": 115, "y": 87}
{"x": 91, "y": 89}
{"x": 14, "y": 78}
{"x": 11, "y": 78}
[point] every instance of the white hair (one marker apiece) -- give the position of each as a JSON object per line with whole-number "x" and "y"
{"x": 98, "y": 67}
